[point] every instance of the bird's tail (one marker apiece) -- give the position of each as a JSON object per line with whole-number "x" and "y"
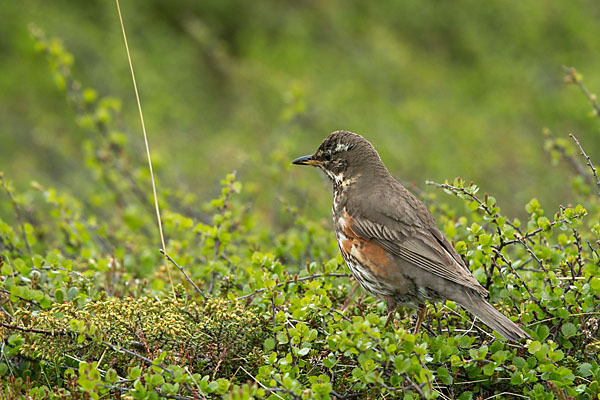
{"x": 493, "y": 318}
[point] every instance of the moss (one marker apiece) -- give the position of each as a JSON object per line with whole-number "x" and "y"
{"x": 213, "y": 338}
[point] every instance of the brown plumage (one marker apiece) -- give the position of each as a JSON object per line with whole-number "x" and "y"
{"x": 389, "y": 239}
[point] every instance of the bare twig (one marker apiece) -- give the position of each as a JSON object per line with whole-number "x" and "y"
{"x": 160, "y": 394}
{"x": 466, "y": 319}
{"x": 415, "y": 386}
{"x": 260, "y": 383}
{"x": 529, "y": 235}
{"x": 531, "y": 253}
{"x": 111, "y": 346}
{"x": 184, "y": 274}
{"x": 509, "y": 265}
{"x": 462, "y": 191}
{"x": 507, "y": 393}
{"x": 33, "y": 302}
{"x": 587, "y": 158}
{"x": 306, "y": 278}
{"x": 344, "y": 396}
{"x": 274, "y": 322}
{"x": 217, "y": 242}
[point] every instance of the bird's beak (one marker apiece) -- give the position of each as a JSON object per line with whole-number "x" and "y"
{"x": 306, "y": 160}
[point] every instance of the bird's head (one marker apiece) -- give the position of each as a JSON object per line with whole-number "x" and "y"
{"x": 342, "y": 156}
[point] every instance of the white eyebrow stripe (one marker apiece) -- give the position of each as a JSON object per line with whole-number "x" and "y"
{"x": 342, "y": 147}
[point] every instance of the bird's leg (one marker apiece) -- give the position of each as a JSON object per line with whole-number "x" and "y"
{"x": 391, "y": 308}
{"x": 389, "y": 318}
{"x": 347, "y": 302}
{"x": 420, "y": 318}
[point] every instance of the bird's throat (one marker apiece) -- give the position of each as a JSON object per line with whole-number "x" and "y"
{"x": 341, "y": 186}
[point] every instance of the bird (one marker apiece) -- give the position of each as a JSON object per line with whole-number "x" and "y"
{"x": 389, "y": 238}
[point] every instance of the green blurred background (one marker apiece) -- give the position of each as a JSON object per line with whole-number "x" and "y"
{"x": 441, "y": 88}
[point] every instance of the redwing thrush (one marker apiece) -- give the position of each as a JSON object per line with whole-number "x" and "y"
{"x": 389, "y": 239}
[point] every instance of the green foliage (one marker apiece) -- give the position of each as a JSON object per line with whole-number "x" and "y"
{"x": 91, "y": 310}
{"x": 229, "y": 85}
{"x": 204, "y": 337}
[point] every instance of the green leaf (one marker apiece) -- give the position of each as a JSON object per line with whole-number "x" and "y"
{"x": 585, "y": 369}
{"x": 568, "y": 330}
{"x": 595, "y": 284}
{"x": 534, "y": 346}
{"x": 532, "y": 206}
{"x": 72, "y": 293}
{"x": 304, "y": 351}
{"x": 223, "y": 385}
{"x": 542, "y": 332}
{"x": 543, "y": 223}
{"x": 157, "y": 380}
{"x": 484, "y": 239}
{"x": 519, "y": 362}
{"x": 489, "y": 369}
{"x": 111, "y": 376}
{"x": 269, "y": 344}
{"x": 466, "y": 396}
{"x": 282, "y": 337}
{"x": 478, "y": 354}
{"x": 59, "y": 295}
{"x": 134, "y": 372}
{"x": 444, "y": 375}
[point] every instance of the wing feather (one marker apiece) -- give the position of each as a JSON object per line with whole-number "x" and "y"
{"x": 407, "y": 230}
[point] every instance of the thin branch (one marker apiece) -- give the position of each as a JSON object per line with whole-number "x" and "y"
{"x": 466, "y": 319}
{"x": 217, "y": 242}
{"x": 111, "y": 346}
{"x": 574, "y": 77}
{"x": 260, "y": 383}
{"x": 577, "y": 166}
{"x": 306, "y": 278}
{"x": 531, "y": 253}
{"x": 17, "y": 213}
{"x": 534, "y": 232}
{"x": 184, "y": 274}
{"x": 33, "y": 302}
{"x": 415, "y": 386}
{"x": 589, "y": 161}
{"x": 494, "y": 216}
{"x": 507, "y": 393}
{"x": 274, "y": 322}
{"x": 160, "y": 394}
{"x": 344, "y": 396}
{"x": 509, "y": 265}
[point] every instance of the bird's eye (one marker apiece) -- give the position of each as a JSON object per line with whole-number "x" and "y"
{"x": 327, "y": 156}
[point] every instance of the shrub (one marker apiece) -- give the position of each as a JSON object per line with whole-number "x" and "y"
{"x": 90, "y": 309}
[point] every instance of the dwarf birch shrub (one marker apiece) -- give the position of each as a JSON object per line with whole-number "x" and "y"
{"x": 89, "y": 311}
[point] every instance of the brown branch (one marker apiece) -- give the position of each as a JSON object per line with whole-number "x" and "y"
{"x": 111, "y": 346}
{"x": 531, "y": 253}
{"x": 577, "y": 166}
{"x": 514, "y": 271}
{"x": 589, "y": 161}
{"x": 482, "y": 205}
{"x": 33, "y": 302}
{"x": 534, "y": 232}
{"x": 184, "y": 274}
{"x": 306, "y": 278}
